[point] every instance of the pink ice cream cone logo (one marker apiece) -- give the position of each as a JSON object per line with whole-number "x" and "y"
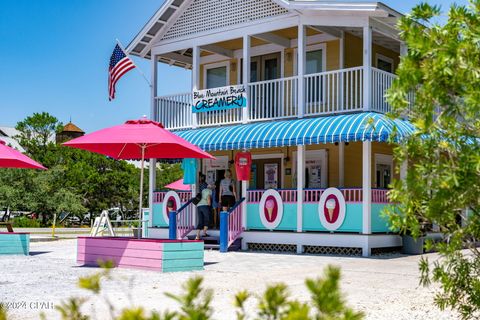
{"x": 270, "y": 205}
{"x": 331, "y": 209}
{"x": 271, "y": 209}
{"x": 330, "y": 205}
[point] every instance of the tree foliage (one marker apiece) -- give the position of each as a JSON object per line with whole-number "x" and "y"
{"x": 76, "y": 181}
{"x": 442, "y": 187}
{"x": 195, "y": 302}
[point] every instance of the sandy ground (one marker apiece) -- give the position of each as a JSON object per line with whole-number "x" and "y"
{"x": 384, "y": 288}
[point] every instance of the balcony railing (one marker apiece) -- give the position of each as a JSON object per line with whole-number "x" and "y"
{"x": 325, "y": 93}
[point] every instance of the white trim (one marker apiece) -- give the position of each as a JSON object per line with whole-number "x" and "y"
{"x": 313, "y": 47}
{"x": 267, "y": 156}
{"x": 367, "y": 64}
{"x": 367, "y": 187}
{"x": 332, "y": 226}
{"x": 341, "y": 164}
{"x": 206, "y": 67}
{"x": 300, "y": 166}
{"x": 379, "y": 56}
{"x": 178, "y": 204}
{"x": 278, "y": 199}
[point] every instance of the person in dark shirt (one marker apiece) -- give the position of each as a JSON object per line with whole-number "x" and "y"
{"x": 201, "y": 182}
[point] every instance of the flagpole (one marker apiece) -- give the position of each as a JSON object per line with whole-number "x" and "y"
{"x": 136, "y": 67}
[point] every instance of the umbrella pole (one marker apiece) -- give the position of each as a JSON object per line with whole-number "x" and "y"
{"x": 141, "y": 191}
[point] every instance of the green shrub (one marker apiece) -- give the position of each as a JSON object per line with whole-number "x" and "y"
{"x": 276, "y": 303}
{"x": 24, "y": 222}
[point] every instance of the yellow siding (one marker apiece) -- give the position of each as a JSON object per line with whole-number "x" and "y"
{"x": 354, "y": 55}
{"x": 353, "y": 165}
{"x": 289, "y": 61}
{"x": 234, "y": 70}
{"x": 333, "y": 55}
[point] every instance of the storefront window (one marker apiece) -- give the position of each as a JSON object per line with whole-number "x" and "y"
{"x": 216, "y": 77}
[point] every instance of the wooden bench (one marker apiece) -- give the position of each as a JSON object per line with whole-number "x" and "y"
{"x": 149, "y": 254}
{"x": 14, "y": 243}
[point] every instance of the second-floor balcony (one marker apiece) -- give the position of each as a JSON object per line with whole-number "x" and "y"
{"x": 325, "y": 93}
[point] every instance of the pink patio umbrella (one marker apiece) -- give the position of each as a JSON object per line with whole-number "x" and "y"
{"x": 11, "y": 158}
{"x": 179, "y": 185}
{"x": 138, "y": 139}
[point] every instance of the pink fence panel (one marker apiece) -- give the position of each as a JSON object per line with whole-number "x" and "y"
{"x": 185, "y": 222}
{"x": 380, "y": 196}
{"x": 235, "y": 219}
{"x": 158, "y": 197}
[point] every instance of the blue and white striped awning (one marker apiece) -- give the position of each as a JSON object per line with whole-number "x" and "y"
{"x": 366, "y": 126}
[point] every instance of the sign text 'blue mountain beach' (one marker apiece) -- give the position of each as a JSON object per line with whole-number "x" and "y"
{"x": 217, "y": 99}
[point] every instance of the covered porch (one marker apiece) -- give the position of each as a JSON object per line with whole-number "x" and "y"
{"x": 348, "y": 153}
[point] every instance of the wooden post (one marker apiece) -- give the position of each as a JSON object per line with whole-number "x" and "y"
{"x": 300, "y": 186}
{"x": 195, "y": 79}
{"x": 341, "y": 164}
{"x": 367, "y": 186}
{"x": 301, "y": 69}
{"x": 152, "y": 173}
{"x": 367, "y": 68}
{"x": 246, "y": 76}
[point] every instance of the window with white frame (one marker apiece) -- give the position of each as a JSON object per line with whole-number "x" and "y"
{"x": 216, "y": 75}
{"x": 315, "y": 62}
{"x": 383, "y": 170}
{"x": 384, "y": 63}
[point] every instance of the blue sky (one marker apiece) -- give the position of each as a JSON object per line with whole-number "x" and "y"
{"x": 54, "y": 57}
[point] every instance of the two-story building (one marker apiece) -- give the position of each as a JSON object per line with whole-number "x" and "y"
{"x": 301, "y": 86}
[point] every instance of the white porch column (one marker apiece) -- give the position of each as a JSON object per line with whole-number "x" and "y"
{"x": 301, "y": 69}
{"x": 246, "y": 75}
{"x": 367, "y": 187}
{"x": 367, "y": 68}
{"x": 300, "y": 186}
{"x": 341, "y": 164}
{"x": 154, "y": 116}
{"x": 195, "y": 78}
{"x": 341, "y": 65}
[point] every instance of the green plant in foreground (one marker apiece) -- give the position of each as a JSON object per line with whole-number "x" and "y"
{"x": 195, "y": 302}
{"x": 442, "y": 185}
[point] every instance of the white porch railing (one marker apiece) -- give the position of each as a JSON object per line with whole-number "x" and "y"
{"x": 175, "y": 111}
{"x": 334, "y": 91}
{"x": 330, "y": 92}
{"x": 273, "y": 99}
{"x": 215, "y": 118}
{"x": 381, "y": 82}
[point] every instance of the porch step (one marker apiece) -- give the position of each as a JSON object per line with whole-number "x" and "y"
{"x": 213, "y": 243}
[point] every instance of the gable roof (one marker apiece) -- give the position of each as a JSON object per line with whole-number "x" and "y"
{"x": 70, "y": 127}
{"x": 171, "y": 10}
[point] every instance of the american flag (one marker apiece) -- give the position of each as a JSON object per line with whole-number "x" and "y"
{"x": 119, "y": 65}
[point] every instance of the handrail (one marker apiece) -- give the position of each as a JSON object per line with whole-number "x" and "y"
{"x": 184, "y": 206}
{"x": 181, "y": 221}
{"x": 231, "y": 225}
{"x": 239, "y": 202}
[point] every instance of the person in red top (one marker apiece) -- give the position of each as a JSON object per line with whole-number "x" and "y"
{"x": 243, "y": 163}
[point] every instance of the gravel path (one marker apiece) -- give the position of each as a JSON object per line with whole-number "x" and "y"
{"x": 384, "y": 288}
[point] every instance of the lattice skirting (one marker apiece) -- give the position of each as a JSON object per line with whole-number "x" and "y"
{"x": 272, "y": 247}
{"x": 341, "y": 251}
